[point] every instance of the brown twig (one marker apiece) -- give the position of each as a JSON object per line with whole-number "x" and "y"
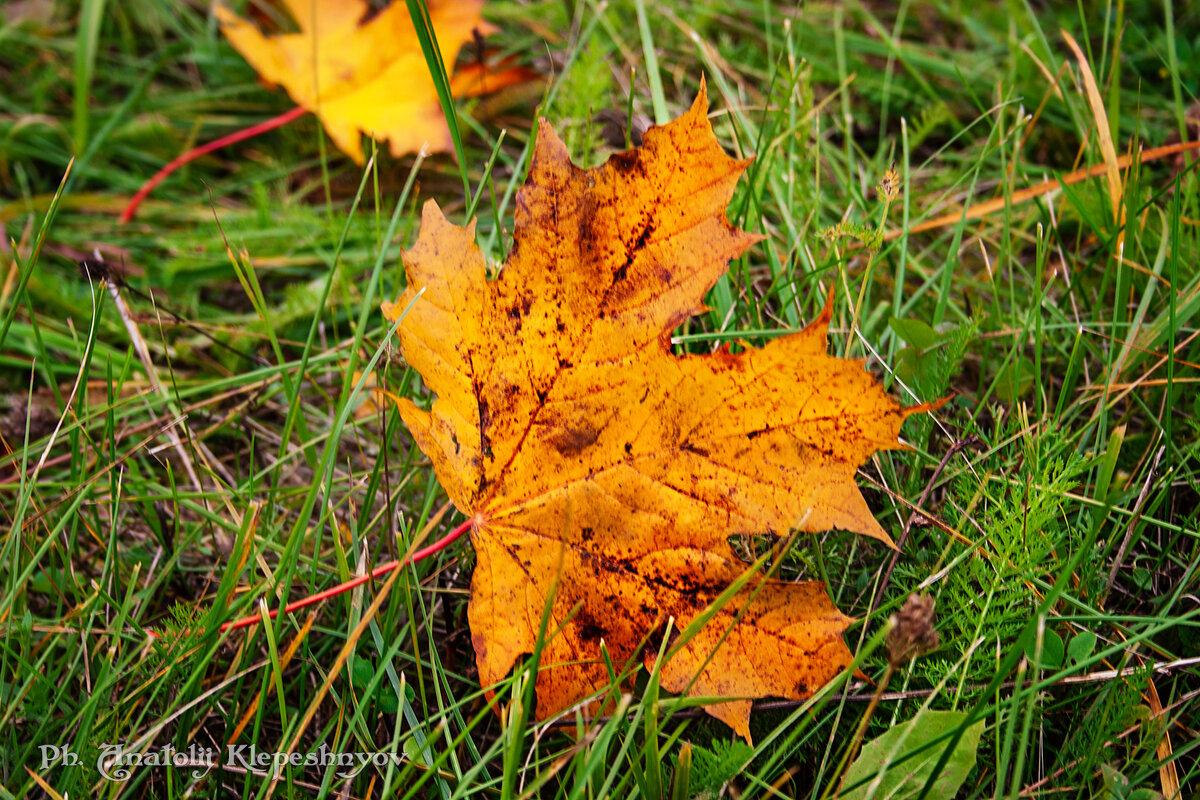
{"x": 956, "y": 447}
{"x": 1133, "y": 521}
{"x": 1101, "y": 676}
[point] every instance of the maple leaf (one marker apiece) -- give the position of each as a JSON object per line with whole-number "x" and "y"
{"x": 360, "y": 76}
{"x": 599, "y": 466}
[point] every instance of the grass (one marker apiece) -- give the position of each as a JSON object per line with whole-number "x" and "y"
{"x": 226, "y": 468}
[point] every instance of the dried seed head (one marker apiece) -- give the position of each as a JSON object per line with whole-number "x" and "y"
{"x": 889, "y": 184}
{"x": 912, "y": 633}
{"x": 97, "y": 269}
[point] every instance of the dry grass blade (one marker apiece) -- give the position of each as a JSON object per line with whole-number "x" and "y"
{"x": 284, "y": 660}
{"x": 1103, "y": 133}
{"x": 1168, "y": 775}
{"x": 335, "y": 669}
{"x": 45, "y": 787}
{"x": 981, "y": 210}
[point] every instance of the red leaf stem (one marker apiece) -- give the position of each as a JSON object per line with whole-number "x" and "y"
{"x": 378, "y": 572}
{"x": 205, "y": 149}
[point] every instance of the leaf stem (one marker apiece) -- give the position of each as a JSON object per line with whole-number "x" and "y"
{"x": 205, "y": 149}
{"x": 341, "y": 588}
{"x": 378, "y": 572}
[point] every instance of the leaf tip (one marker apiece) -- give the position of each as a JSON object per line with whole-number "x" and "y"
{"x": 701, "y": 100}
{"x": 877, "y": 532}
{"x": 820, "y": 325}
{"x": 431, "y": 213}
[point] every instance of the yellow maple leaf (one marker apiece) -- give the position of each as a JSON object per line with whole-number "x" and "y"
{"x": 360, "y": 76}
{"x": 604, "y": 473}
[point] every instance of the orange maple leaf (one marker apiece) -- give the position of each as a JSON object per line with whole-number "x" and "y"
{"x": 360, "y": 76}
{"x": 599, "y": 466}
